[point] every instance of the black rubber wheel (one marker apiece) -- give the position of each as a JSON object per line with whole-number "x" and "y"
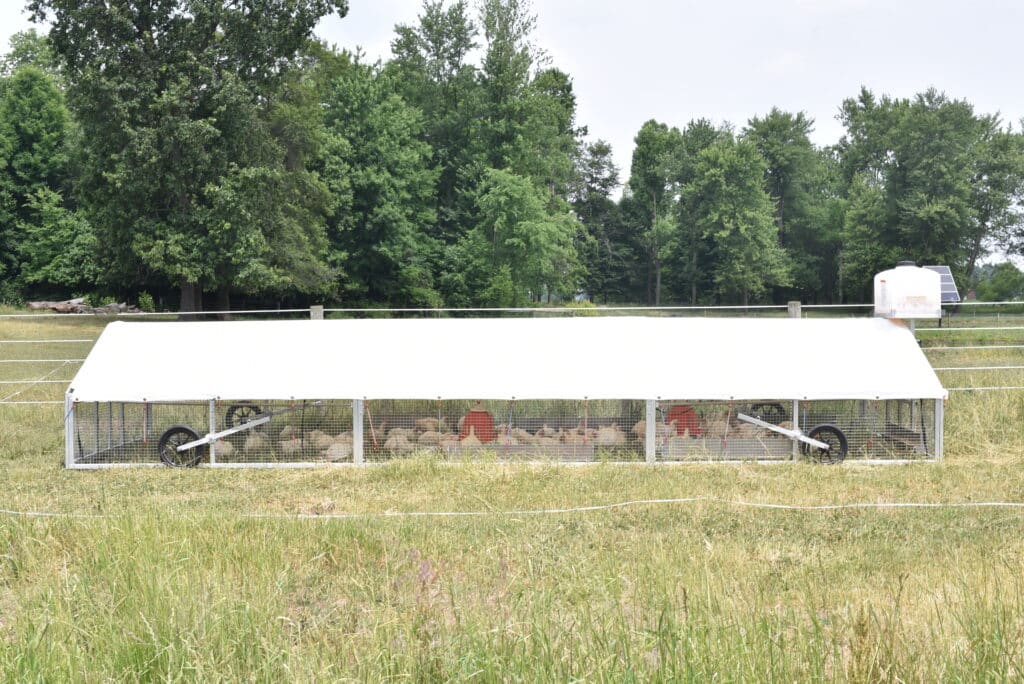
{"x": 837, "y": 444}
{"x": 173, "y": 438}
{"x": 769, "y": 412}
{"x": 240, "y": 414}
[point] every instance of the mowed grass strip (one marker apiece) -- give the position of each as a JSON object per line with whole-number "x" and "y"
{"x": 177, "y": 580}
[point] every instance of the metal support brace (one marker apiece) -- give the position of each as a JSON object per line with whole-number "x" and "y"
{"x": 650, "y": 441}
{"x": 940, "y": 410}
{"x": 795, "y": 435}
{"x": 357, "y": 431}
{"x": 316, "y": 312}
{"x": 69, "y": 430}
{"x": 213, "y": 431}
{"x": 796, "y": 426}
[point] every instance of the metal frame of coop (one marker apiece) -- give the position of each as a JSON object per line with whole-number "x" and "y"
{"x": 115, "y": 434}
{"x": 722, "y": 412}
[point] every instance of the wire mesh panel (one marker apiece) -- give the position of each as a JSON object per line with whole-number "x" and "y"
{"x": 266, "y": 433}
{"x": 723, "y": 431}
{"x": 126, "y": 433}
{"x": 505, "y": 430}
{"x": 285, "y": 432}
{"x": 714, "y": 431}
{"x": 888, "y": 430}
{"x": 255, "y": 432}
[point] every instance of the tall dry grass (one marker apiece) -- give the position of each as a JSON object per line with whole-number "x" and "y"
{"x": 175, "y": 579}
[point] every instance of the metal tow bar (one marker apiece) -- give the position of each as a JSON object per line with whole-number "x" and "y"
{"x": 795, "y": 434}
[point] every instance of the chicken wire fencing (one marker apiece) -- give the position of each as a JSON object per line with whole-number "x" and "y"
{"x": 767, "y": 430}
{"x": 508, "y": 430}
{"x": 294, "y": 433}
{"x": 246, "y": 433}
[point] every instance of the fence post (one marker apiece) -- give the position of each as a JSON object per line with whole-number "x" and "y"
{"x": 357, "y": 431}
{"x": 316, "y": 312}
{"x": 794, "y": 312}
{"x": 650, "y": 445}
{"x": 69, "y": 430}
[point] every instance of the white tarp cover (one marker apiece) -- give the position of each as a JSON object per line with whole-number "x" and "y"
{"x": 526, "y": 358}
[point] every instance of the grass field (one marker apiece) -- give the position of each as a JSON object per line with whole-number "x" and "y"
{"x": 162, "y": 574}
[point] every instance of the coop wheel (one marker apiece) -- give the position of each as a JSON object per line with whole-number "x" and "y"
{"x": 240, "y": 414}
{"x": 769, "y": 412}
{"x": 173, "y": 438}
{"x": 836, "y": 440}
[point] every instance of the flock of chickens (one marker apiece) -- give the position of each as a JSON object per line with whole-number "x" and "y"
{"x": 433, "y": 433}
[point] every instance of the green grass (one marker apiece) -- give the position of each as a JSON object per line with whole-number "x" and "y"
{"x": 178, "y": 581}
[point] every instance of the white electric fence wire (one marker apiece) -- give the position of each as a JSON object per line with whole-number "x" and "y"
{"x": 32, "y": 383}
{"x": 65, "y": 361}
{"x": 982, "y": 389}
{"x": 567, "y": 311}
{"x": 881, "y": 505}
{"x": 564, "y": 310}
{"x": 975, "y": 347}
{"x": 140, "y": 314}
{"x": 36, "y": 382}
{"x": 979, "y": 368}
{"x": 90, "y": 340}
{"x": 968, "y": 329}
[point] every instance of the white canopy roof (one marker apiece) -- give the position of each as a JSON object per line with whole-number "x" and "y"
{"x": 525, "y": 358}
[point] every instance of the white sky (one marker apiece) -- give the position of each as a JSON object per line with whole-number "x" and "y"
{"x": 733, "y": 59}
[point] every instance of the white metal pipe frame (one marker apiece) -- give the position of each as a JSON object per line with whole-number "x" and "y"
{"x": 572, "y": 390}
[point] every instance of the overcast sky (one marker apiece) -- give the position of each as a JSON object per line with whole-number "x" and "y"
{"x": 732, "y": 59}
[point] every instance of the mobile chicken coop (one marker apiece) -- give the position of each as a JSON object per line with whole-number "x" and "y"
{"x": 290, "y": 393}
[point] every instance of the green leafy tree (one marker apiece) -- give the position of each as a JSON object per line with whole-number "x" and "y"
{"x": 949, "y": 183}
{"x": 29, "y": 48}
{"x": 1002, "y": 282}
{"x": 58, "y": 251}
{"x": 36, "y": 204}
{"x": 525, "y": 251}
{"x": 864, "y": 218}
{"x": 510, "y": 112}
{"x": 689, "y": 251}
{"x": 382, "y": 235}
{"x": 797, "y": 180}
{"x": 606, "y": 255}
{"x": 527, "y": 110}
{"x": 176, "y": 99}
{"x": 997, "y": 192}
{"x": 432, "y": 71}
{"x": 734, "y": 212}
{"x": 653, "y": 184}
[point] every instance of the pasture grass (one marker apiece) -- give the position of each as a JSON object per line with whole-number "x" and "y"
{"x": 162, "y": 574}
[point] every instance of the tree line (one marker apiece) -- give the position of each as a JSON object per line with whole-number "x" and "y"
{"x": 212, "y": 153}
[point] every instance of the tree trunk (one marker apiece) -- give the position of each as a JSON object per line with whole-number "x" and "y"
{"x": 650, "y": 281}
{"x": 224, "y": 303}
{"x": 972, "y": 258}
{"x": 191, "y": 301}
{"x": 693, "y": 273}
{"x": 657, "y": 281}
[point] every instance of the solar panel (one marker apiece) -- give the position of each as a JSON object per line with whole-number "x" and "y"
{"x": 950, "y": 295}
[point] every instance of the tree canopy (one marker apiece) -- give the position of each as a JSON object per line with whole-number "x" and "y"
{"x": 207, "y": 148}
